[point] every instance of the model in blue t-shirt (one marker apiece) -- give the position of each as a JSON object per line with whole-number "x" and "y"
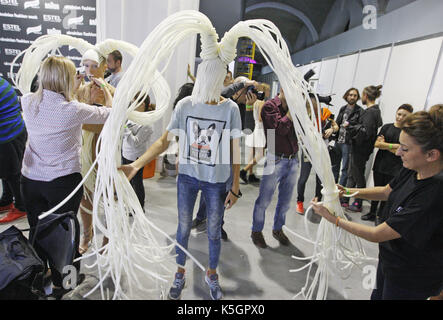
{"x": 207, "y": 133}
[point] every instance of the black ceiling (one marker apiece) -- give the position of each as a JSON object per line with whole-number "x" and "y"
{"x": 289, "y": 24}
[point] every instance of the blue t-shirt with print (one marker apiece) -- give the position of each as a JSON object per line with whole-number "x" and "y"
{"x": 205, "y": 132}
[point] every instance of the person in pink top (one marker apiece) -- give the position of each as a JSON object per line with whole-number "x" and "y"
{"x": 51, "y": 163}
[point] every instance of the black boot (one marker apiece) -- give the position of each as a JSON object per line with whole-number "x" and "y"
{"x": 243, "y": 176}
{"x": 368, "y": 217}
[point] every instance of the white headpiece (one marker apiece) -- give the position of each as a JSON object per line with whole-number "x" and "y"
{"x": 92, "y": 55}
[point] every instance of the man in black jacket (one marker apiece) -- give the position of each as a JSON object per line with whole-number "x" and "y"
{"x": 363, "y": 135}
{"x": 350, "y": 113}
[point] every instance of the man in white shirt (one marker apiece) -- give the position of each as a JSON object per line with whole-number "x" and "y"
{"x": 114, "y": 62}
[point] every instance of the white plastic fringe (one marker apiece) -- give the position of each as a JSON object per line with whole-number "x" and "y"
{"x": 335, "y": 252}
{"x": 135, "y": 260}
{"x": 37, "y": 52}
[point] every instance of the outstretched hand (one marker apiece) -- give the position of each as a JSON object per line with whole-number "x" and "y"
{"x": 342, "y": 190}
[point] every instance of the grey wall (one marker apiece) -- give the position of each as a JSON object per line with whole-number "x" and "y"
{"x": 417, "y": 19}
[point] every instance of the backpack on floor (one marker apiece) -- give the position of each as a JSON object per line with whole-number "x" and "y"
{"x": 21, "y": 270}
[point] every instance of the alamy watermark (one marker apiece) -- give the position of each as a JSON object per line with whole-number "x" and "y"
{"x": 370, "y": 17}
{"x": 369, "y": 277}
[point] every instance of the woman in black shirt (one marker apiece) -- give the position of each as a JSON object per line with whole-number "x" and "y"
{"x": 411, "y": 236}
{"x": 387, "y": 165}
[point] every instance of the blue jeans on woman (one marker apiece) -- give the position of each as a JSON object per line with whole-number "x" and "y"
{"x": 214, "y": 196}
{"x": 281, "y": 172}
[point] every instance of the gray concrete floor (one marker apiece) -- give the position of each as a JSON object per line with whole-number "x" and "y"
{"x": 245, "y": 271}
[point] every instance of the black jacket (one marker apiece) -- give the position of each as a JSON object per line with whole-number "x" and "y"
{"x": 364, "y": 133}
{"x": 354, "y": 118}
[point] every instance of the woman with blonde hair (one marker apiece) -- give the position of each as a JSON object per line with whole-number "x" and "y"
{"x": 410, "y": 234}
{"x": 51, "y": 163}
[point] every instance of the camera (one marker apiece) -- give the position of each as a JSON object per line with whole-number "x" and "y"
{"x": 260, "y": 94}
{"x": 308, "y": 75}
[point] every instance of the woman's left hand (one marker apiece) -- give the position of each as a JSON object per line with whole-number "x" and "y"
{"x": 321, "y": 210}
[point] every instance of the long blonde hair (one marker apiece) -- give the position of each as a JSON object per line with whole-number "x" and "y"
{"x": 56, "y": 74}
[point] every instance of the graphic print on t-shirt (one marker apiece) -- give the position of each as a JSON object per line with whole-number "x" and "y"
{"x": 204, "y": 137}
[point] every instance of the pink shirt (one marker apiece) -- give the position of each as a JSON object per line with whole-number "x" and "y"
{"x": 55, "y": 134}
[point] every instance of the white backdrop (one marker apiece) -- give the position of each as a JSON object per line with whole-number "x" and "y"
{"x": 406, "y": 74}
{"x": 436, "y": 91}
{"x": 344, "y": 76}
{"x": 133, "y": 20}
{"x": 409, "y": 76}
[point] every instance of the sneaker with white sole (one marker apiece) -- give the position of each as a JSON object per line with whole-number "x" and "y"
{"x": 214, "y": 287}
{"x": 177, "y": 286}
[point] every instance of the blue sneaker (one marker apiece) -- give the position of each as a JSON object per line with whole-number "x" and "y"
{"x": 177, "y": 286}
{"x": 214, "y": 286}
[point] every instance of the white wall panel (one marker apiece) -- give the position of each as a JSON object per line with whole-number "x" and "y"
{"x": 371, "y": 68}
{"x": 325, "y": 82}
{"x": 409, "y": 76}
{"x": 436, "y": 92}
{"x": 343, "y": 80}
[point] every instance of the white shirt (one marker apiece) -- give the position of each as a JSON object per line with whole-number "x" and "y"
{"x": 55, "y": 134}
{"x": 135, "y": 140}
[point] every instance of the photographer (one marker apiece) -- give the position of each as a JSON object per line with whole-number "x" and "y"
{"x": 238, "y": 91}
{"x": 280, "y": 169}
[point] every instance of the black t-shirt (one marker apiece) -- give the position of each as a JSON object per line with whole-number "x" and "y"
{"x": 386, "y": 162}
{"x": 415, "y": 210}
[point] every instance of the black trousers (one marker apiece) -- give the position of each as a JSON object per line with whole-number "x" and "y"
{"x": 12, "y": 193}
{"x": 386, "y": 289}
{"x": 380, "y": 179}
{"x": 305, "y": 170}
{"x": 40, "y": 196}
{"x": 137, "y": 184}
{"x": 11, "y": 157}
{"x": 356, "y": 178}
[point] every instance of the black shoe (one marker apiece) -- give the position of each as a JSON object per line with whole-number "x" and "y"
{"x": 281, "y": 237}
{"x": 253, "y": 179}
{"x": 368, "y": 217}
{"x": 224, "y": 235}
{"x": 197, "y": 222}
{"x": 258, "y": 239}
{"x": 243, "y": 176}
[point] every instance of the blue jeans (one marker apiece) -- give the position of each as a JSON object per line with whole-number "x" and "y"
{"x": 345, "y": 150}
{"x": 201, "y": 213}
{"x": 214, "y": 195}
{"x": 276, "y": 171}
